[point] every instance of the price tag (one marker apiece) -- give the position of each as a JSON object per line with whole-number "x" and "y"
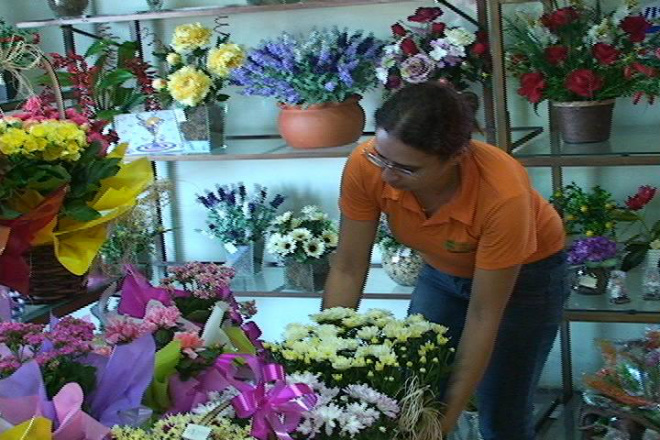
{"x": 197, "y": 432}
{"x": 231, "y": 248}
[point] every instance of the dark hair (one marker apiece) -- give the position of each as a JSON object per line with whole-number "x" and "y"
{"x": 430, "y": 117}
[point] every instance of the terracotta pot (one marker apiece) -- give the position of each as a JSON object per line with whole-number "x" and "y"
{"x": 584, "y": 121}
{"x": 324, "y": 125}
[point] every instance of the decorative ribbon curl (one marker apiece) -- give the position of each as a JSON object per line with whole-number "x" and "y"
{"x": 17, "y": 56}
{"x": 273, "y": 405}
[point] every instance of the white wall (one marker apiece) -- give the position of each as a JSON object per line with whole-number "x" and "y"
{"x": 316, "y": 181}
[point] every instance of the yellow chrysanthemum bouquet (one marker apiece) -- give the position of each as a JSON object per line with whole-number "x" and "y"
{"x": 198, "y": 69}
{"x": 59, "y": 189}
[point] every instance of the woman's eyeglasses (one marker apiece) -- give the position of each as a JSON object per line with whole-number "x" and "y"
{"x": 381, "y": 162}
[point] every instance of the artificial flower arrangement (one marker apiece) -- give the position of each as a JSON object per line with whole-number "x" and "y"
{"x": 579, "y": 53}
{"x": 374, "y": 374}
{"x": 132, "y": 236}
{"x": 61, "y": 187}
{"x": 326, "y": 65}
{"x": 304, "y": 239}
{"x": 193, "y": 318}
{"x": 586, "y": 213}
{"x": 198, "y": 68}
{"x": 426, "y": 49}
{"x": 598, "y": 256}
{"x": 626, "y": 387}
{"x": 648, "y": 237}
{"x": 236, "y": 216}
{"x": 108, "y": 80}
{"x": 401, "y": 263}
{"x": 650, "y": 60}
{"x": 57, "y": 383}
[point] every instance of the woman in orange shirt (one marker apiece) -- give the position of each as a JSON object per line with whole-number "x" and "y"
{"x": 495, "y": 272}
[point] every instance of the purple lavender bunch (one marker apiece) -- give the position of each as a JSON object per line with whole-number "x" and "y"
{"x": 327, "y": 65}
{"x": 594, "y": 251}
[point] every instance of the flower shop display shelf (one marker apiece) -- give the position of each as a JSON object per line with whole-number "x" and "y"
{"x": 201, "y": 11}
{"x": 272, "y": 146}
{"x": 628, "y": 145}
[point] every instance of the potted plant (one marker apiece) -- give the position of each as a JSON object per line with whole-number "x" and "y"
{"x": 581, "y": 59}
{"x": 198, "y": 71}
{"x": 400, "y": 263}
{"x": 304, "y": 244}
{"x": 646, "y": 243}
{"x": 586, "y": 213}
{"x": 427, "y": 49}
{"x": 240, "y": 219}
{"x": 317, "y": 79}
{"x": 597, "y": 255}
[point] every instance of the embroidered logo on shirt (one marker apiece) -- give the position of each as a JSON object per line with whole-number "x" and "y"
{"x": 459, "y": 247}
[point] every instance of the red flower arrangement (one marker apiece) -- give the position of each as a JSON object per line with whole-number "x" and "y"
{"x": 426, "y": 49}
{"x": 576, "y": 53}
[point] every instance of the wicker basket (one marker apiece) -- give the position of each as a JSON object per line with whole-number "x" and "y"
{"x": 49, "y": 280}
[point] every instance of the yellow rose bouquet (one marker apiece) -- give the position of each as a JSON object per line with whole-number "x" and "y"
{"x": 197, "y": 69}
{"x": 59, "y": 189}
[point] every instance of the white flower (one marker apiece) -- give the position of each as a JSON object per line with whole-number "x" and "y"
{"x": 621, "y": 13}
{"x": 310, "y": 210}
{"x": 280, "y": 244}
{"x": 393, "y": 49}
{"x": 300, "y": 234}
{"x": 327, "y": 331}
{"x": 159, "y": 84}
{"x": 314, "y": 247}
{"x": 460, "y": 37}
{"x": 341, "y": 363}
{"x": 294, "y": 332}
{"x": 328, "y": 415}
{"x": 295, "y": 222}
{"x": 374, "y": 314}
{"x": 439, "y": 52}
{"x": 333, "y": 314}
{"x": 330, "y": 238}
{"x": 382, "y": 74}
{"x": 281, "y": 219}
{"x": 368, "y": 333}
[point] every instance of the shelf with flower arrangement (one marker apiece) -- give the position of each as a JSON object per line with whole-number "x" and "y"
{"x": 198, "y": 70}
{"x": 304, "y": 244}
{"x": 317, "y": 79}
{"x": 427, "y": 49}
{"x": 581, "y": 59}
{"x": 240, "y": 220}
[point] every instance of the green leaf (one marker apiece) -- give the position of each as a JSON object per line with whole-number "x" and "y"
{"x": 98, "y": 47}
{"x": 116, "y": 78}
{"x": 80, "y": 212}
{"x": 624, "y": 216}
{"x": 126, "y": 51}
{"x": 6, "y": 213}
{"x": 633, "y": 258}
{"x": 198, "y": 315}
{"x": 108, "y": 115}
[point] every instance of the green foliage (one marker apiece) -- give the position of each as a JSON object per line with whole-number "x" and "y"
{"x": 588, "y": 213}
{"x": 67, "y": 371}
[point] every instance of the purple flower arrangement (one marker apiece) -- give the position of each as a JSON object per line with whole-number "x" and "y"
{"x": 237, "y": 217}
{"x": 328, "y": 65}
{"x": 593, "y": 251}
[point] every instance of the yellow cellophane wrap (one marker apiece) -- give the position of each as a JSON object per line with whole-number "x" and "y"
{"x": 76, "y": 244}
{"x": 38, "y": 428}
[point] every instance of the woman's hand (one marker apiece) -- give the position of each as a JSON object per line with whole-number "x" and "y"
{"x": 350, "y": 264}
{"x": 491, "y": 290}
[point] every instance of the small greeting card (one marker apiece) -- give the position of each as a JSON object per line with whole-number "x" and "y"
{"x": 155, "y": 132}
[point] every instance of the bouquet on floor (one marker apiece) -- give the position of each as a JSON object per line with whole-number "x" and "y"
{"x": 55, "y": 382}
{"x": 374, "y": 374}
{"x": 193, "y": 318}
{"x": 306, "y": 238}
{"x": 60, "y": 187}
{"x": 426, "y": 49}
{"x": 628, "y": 385}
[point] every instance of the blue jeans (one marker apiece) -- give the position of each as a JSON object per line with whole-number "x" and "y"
{"x": 527, "y": 331}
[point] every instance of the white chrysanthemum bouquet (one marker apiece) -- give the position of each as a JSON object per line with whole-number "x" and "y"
{"x": 375, "y": 375}
{"x": 306, "y": 238}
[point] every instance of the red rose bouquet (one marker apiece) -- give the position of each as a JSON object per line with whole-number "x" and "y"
{"x": 577, "y": 53}
{"x": 429, "y": 50}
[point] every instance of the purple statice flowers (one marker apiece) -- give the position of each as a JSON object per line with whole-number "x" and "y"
{"x": 592, "y": 251}
{"x": 237, "y": 217}
{"x": 328, "y": 65}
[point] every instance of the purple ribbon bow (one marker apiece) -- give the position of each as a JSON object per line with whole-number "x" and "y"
{"x": 277, "y": 408}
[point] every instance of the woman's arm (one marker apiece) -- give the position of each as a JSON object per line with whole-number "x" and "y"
{"x": 348, "y": 271}
{"x": 491, "y": 290}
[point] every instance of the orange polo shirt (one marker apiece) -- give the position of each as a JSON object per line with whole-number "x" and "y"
{"x": 496, "y": 219}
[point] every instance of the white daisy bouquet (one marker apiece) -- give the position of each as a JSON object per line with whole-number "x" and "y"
{"x": 306, "y": 238}
{"x": 372, "y": 361}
